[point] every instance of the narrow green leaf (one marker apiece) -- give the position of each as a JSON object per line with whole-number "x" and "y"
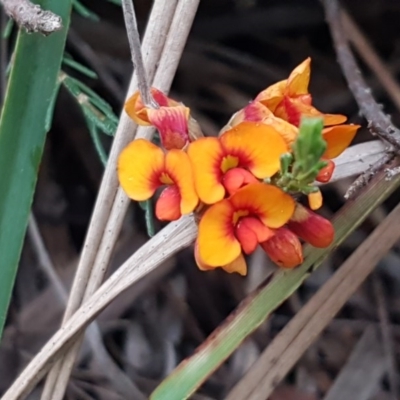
{"x": 84, "y": 11}
{"x": 8, "y": 29}
{"x": 94, "y": 133}
{"x": 147, "y": 207}
{"x": 256, "y": 308}
{"x": 23, "y": 125}
{"x": 79, "y": 67}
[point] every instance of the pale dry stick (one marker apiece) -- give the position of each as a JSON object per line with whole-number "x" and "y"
{"x": 305, "y": 327}
{"x": 175, "y": 43}
{"x": 369, "y": 55}
{"x": 93, "y": 336}
{"x": 173, "y": 238}
{"x": 153, "y": 44}
{"x": 136, "y": 52}
{"x": 32, "y": 17}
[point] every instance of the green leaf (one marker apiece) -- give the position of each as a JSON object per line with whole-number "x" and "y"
{"x": 257, "y": 307}
{"x": 147, "y": 207}
{"x": 84, "y": 11}
{"x": 79, "y": 67}
{"x": 24, "y": 121}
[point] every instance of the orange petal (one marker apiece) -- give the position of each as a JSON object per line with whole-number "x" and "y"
{"x": 172, "y": 123}
{"x": 206, "y": 156}
{"x": 315, "y": 200}
{"x": 299, "y": 79}
{"x": 179, "y": 168}
{"x": 338, "y": 138}
{"x": 235, "y": 178}
{"x": 284, "y": 248}
{"x": 311, "y": 227}
{"x": 140, "y": 165}
{"x": 326, "y": 173}
{"x": 168, "y": 204}
{"x": 136, "y": 109}
{"x": 238, "y": 265}
{"x": 287, "y": 131}
{"x": 258, "y": 147}
{"x": 216, "y": 240}
{"x": 273, "y": 206}
{"x": 250, "y": 232}
{"x": 334, "y": 119}
{"x": 272, "y": 95}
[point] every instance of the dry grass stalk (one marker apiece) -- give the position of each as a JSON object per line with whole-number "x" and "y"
{"x": 153, "y": 43}
{"x": 173, "y": 238}
{"x": 290, "y": 344}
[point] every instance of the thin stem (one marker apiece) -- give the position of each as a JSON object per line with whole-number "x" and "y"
{"x": 136, "y": 53}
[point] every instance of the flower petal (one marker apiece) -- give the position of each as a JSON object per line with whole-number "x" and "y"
{"x": 287, "y": 131}
{"x": 139, "y": 167}
{"x": 206, "y": 155}
{"x": 238, "y": 265}
{"x": 179, "y": 168}
{"x": 172, "y": 123}
{"x": 272, "y": 95}
{"x": 284, "y": 248}
{"x": 135, "y": 108}
{"x": 311, "y": 227}
{"x": 258, "y": 147}
{"x": 168, "y": 204}
{"x": 250, "y": 232}
{"x": 216, "y": 240}
{"x": 338, "y": 138}
{"x": 235, "y": 178}
{"x": 299, "y": 79}
{"x": 273, "y": 206}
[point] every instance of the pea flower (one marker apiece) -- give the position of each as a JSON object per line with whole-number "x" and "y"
{"x": 144, "y": 167}
{"x": 290, "y": 100}
{"x": 237, "y": 225}
{"x": 171, "y": 118}
{"x": 247, "y": 152}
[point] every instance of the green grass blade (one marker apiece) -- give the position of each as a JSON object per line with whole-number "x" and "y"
{"x": 30, "y": 95}
{"x": 254, "y": 310}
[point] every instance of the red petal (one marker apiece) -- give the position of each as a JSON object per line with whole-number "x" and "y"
{"x": 168, "y": 204}
{"x": 236, "y": 178}
{"x": 250, "y": 231}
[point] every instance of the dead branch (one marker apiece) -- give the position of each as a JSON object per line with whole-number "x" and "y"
{"x": 32, "y": 17}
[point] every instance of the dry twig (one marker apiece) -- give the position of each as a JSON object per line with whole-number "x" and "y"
{"x": 105, "y": 227}
{"x": 32, "y": 17}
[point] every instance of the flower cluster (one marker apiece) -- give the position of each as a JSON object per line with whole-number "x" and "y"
{"x": 241, "y": 184}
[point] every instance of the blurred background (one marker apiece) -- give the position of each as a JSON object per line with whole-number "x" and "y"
{"x": 236, "y": 48}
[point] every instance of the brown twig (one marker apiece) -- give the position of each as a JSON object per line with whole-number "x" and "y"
{"x": 32, "y": 17}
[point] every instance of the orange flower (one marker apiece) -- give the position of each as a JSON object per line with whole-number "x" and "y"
{"x": 311, "y": 227}
{"x": 171, "y": 118}
{"x": 239, "y": 223}
{"x": 289, "y": 99}
{"x": 242, "y": 154}
{"x": 143, "y": 168}
{"x": 284, "y": 248}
